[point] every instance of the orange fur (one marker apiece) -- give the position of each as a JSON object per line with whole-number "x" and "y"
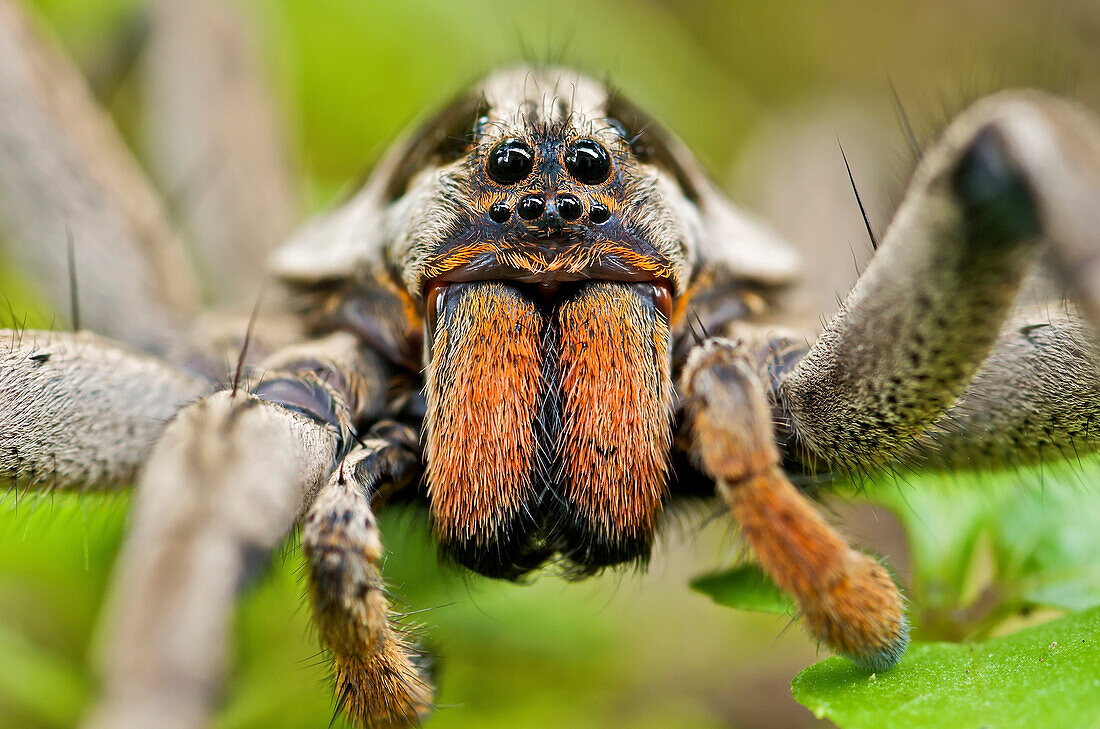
{"x": 573, "y": 259}
{"x": 848, "y": 600}
{"x": 617, "y": 395}
{"x": 484, "y": 382}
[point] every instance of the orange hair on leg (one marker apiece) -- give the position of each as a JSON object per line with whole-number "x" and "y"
{"x": 848, "y": 600}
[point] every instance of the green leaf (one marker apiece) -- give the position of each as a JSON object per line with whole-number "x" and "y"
{"x": 1046, "y": 539}
{"x": 745, "y": 587}
{"x": 1042, "y": 675}
{"x": 1022, "y": 537}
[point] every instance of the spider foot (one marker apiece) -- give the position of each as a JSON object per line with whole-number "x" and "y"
{"x": 379, "y": 676}
{"x": 386, "y": 689}
{"x": 848, "y": 601}
{"x": 861, "y": 614}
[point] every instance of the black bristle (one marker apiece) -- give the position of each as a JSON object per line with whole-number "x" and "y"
{"x": 862, "y": 210}
{"x": 74, "y": 297}
{"x": 244, "y": 345}
{"x": 906, "y": 127}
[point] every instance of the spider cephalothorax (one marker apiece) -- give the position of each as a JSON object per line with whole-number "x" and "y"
{"x": 534, "y": 317}
{"x": 544, "y": 227}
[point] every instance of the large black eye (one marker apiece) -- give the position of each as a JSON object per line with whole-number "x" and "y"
{"x": 510, "y": 161}
{"x": 588, "y": 162}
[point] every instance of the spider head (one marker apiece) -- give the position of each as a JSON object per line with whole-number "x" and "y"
{"x": 541, "y": 231}
{"x": 542, "y": 178}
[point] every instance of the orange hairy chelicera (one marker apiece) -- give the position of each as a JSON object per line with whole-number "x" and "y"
{"x": 548, "y": 424}
{"x": 484, "y": 383}
{"x": 616, "y": 399}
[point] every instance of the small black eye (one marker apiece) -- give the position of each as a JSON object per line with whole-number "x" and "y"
{"x": 531, "y": 207}
{"x": 510, "y": 161}
{"x": 599, "y": 213}
{"x": 588, "y": 162}
{"x": 569, "y": 206}
{"x": 500, "y": 212}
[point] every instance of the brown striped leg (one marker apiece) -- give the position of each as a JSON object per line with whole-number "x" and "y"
{"x": 380, "y": 677}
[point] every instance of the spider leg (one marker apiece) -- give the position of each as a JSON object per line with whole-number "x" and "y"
{"x": 79, "y": 411}
{"x": 1037, "y": 395}
{"x": 223, "y": 485}
{"x": 1012, "y": 171}
{"x": 380, "y": 677}
{"x": 66, "y": 174}
{"x": 215, "y": 147}
{"x": 847, "y": 600}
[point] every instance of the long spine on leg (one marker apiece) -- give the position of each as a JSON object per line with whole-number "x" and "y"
{"x": 65, "y": 171}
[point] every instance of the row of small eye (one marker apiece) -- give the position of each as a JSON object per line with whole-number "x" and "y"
{"x": 512, "y": 160}
{"x": 568, "y": 205}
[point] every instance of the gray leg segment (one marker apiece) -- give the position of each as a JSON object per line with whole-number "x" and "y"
{"x": 1037, "y": 396}
{"x": 916, "y": 328}
{"x": 79, "y": 411}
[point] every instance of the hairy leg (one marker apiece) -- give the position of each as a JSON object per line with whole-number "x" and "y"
{"x": 1036, "y": 396}
{"x": 913, "y": 333}
{"x": 224, "y": 484}
{"x": 380, "y": 678}
{"x": 79, "y": 411}
{"x": 65, "y": 172}
{"x": 221, "y": 489}
{"x": 847, "y": 600}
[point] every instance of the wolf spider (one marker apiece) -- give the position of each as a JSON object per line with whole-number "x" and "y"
{"x": 541, "y": 319}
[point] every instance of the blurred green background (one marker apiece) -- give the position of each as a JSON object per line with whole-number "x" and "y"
{"x": 625, "y": 650}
